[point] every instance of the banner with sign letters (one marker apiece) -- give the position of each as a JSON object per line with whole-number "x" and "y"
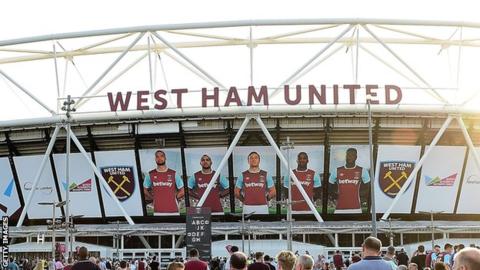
{"x": 440, "y": 178}
{"x": 199, "y": 232}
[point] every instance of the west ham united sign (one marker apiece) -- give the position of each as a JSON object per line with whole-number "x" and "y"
{"x": 393, "y": 175}
{"x": 120, "y": 179}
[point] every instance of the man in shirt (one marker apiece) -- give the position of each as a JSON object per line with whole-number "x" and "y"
{"x": 402, "y": 258}
{"x": 371, "y": 256}
{"x": 164, "y": 186}
{"x": 349, "y": 179}
{"x": 309, "y": 180}
{"x": 390, "y": 257}
{"x": 154, "y": 264}
{"x": 446, "y": 255}
{"x": 255, "y": 187}
{"x": 83, "y": 263}
{"x": 268, "y": 262}
{"x": 12, "y": 265}
{"x": 198, "y": 182}
{"x": 420, "y": 258}
{"x": 259, "y": 263}
{"x": 432, "y": 257}
{"x": 194, "y": 262}
{"x": 338, "y": 260}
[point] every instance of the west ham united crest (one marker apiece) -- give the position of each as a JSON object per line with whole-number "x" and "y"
{"x": 120, "y": 179}
{"x": 393, "y": 175}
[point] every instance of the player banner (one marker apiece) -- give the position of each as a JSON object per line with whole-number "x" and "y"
{"x": 349, "y": 178}
{"x": 199, "y": 231}
{"x": 163, "y": 184}
{"x": 306, "y": 161}
{"x": 202, "y": 163}
{"x": 255, "y": 176}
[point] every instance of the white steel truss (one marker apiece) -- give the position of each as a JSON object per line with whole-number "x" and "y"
{"x": 176, "y": 39}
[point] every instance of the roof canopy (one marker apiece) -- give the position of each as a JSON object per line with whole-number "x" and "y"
{"x": 432, "y": 62}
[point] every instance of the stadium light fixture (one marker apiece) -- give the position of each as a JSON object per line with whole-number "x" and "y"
{"x": 244, "y": 216}
{"x": 390, "y": 231}
{"x": 288, "y": 145}
{"x": 431, "y": 213}
{"x": 53, "y": 224}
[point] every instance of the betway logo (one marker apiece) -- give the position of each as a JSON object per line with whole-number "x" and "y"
{"x": 249, "y": 185}
{"x": 162, "y": 184}
{"x": 205, "y": 185}
{"x": 305, "y": 183}
{"x": 348, "y": 181}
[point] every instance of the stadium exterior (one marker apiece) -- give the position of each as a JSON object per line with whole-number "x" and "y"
{"x": 429, "y": 110}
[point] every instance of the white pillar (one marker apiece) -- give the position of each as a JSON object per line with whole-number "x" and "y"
{"x": 336, "y": 240}
{"x": 122, "y": 246}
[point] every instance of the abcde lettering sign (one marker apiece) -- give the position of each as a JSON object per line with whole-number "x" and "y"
{"x": 199, "y": 231}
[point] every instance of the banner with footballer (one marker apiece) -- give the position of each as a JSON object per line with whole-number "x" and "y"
{"x": 83, "y": 188}
{"x": 440, "y": 178}
{"x": 306, "y": 161}
{"x": 120, "y": 172}
{"x": 163, "y": 185}
{"x": 202, "y": 163}
{"x": 255, "y": 174}
{"x": 394, "y": 165}
{"x": 349, "y": 179}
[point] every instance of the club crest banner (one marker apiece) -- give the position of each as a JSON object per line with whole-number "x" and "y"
{"x": 121, "y": 180}
{"x": 393, "y": 175}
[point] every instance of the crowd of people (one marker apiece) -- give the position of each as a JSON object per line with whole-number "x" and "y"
{"x": 451, "y": 257}
{"x": 370, "y": 258}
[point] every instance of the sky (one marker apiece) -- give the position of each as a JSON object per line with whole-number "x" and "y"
{"x": 22, "y": 18}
